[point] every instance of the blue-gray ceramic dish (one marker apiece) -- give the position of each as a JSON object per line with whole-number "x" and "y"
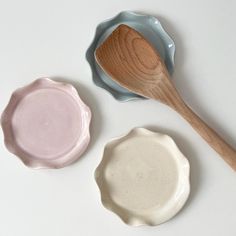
{"x": 150, "y": 28}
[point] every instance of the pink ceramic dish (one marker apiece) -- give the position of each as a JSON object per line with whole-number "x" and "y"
{"x": 46, "y": 124}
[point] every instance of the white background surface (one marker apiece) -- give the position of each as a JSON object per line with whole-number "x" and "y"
{"x": 49, "y": 38}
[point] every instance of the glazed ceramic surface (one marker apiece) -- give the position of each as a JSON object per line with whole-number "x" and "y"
{"x": 143, "y": 177}
{"x": 46, "y": 124}
{"x": 150, "y": 28}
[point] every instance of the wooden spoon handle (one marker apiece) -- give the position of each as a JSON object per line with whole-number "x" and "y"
{"x": 213, "y": 139}
{"x": 173, "y": 99}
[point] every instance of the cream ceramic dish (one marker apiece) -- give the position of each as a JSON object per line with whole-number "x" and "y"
{"x": 143, "y": 177}
{"x": 46, "y": 124}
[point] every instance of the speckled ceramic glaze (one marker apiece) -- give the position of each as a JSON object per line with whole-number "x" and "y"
{"x": 150, "y": 28}
{"x": 46, "y": 124}
{"x": 143, "y": 177}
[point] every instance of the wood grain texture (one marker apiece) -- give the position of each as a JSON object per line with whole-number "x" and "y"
{"x": 134, "y": 64}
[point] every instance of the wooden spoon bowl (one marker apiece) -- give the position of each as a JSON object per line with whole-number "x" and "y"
{"x": 134, "y": 64}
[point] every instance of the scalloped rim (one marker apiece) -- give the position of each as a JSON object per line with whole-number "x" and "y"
{"x": 9, "y": 141}
{"x": 91, "y": 60}
{"x": 126, "y": 216}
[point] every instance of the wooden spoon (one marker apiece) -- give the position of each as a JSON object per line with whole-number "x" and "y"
{"x": 134, "y": 64}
